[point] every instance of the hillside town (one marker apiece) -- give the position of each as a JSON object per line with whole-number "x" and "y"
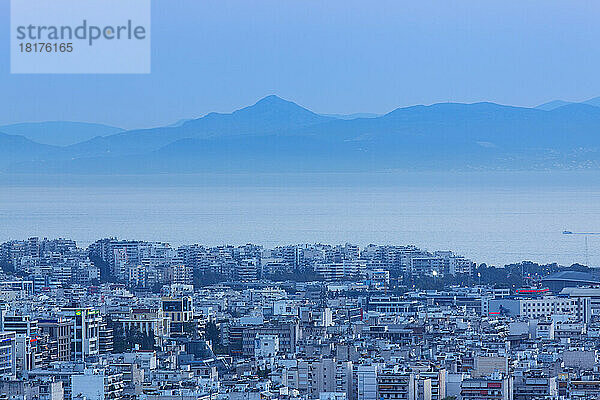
{"x": 126, "y": 319}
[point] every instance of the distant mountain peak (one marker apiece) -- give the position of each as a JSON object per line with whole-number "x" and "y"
{"x": 272, "y": 98}
{"x": 274, "y": 134}
{"x": 275, "y": 108}
{"x": 269, "y": 115}
{"x": 273, "y": 102}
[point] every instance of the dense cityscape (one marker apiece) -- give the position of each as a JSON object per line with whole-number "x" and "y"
{"x": 125, "y": 319}
{"x": 299, "y": 200}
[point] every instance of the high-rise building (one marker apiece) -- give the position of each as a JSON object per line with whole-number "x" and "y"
{"x": 178, "y": 311}
{"x": 8, "y": 360}
{"x": 58, "y": 331}
{"x": 85, "y": 327}
{"x": 27, "y": 335}
{"x": 367, "y": 382}
{"x": 395, "y": 383}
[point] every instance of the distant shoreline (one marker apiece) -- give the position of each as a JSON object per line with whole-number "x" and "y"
{"x": 467, "y": 180}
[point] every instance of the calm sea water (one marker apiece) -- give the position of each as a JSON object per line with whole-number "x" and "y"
{"x": 493, "y": 218}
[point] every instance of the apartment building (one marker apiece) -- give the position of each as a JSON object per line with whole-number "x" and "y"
{"x": 533, "y": 386}
{"x": 98, "y": 384}
{"x": 8, "y": 360}
{"x": 58, "y": 331}
{"x": 28, "y": 354}
{"x": 494, "y": 387}
{"x": 313, "y": 377}
{"x": 85, "y": 335}
{"x": 397, "y": 384}
{"x": 545, "y": 307}
{"x": 178, "y": 311}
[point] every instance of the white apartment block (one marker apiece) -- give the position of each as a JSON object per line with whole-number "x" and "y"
{"x": 545, "y": 307}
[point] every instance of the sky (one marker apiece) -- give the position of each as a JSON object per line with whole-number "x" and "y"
{"x": 331, "y": 56}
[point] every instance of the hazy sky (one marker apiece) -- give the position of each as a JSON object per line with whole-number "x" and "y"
{"x": 332, "y": 56}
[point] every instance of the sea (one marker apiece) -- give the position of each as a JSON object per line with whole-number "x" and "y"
{"x": 491, "y": 217}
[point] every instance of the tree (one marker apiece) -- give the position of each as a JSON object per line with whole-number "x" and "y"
{"x": 207, "y": 278}
{"x": 212, "y": 333}
{"x": 126, "y": 340}
{"x": 191, "y": 328}
{"x": 104, "y": 268}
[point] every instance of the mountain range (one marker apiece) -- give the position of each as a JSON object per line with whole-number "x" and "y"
{"x": 59, "y": 133}
{"x": 276, "y": 135}
{"x": 551, "y": 105}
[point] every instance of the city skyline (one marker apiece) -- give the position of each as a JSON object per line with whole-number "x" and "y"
{"x": 299, "y": 200}
{"x": 142, "y": 320}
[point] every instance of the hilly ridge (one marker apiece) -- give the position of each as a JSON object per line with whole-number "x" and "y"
{"x": 276, "y": 135}
{"x": 16, "y": 147}
{"x": 59, "y": 133}
{"x": 269, "y": 115}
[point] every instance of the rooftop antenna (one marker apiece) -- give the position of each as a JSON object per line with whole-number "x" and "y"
{"x": 585, "y": 235}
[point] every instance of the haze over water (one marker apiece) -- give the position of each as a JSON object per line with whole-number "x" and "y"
{"x": 495, "y": 218}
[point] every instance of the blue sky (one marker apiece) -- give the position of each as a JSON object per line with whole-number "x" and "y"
{"x": 332, "y": 56}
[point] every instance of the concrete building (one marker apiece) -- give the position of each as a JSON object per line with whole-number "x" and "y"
{"x": 178, "y": 311}
{"x": 584, "y": 389}
{"x": 335, "y": 271}
{"x": 58, "y": 331}
{"x": 27, "y": 336}
{"x": 149, "y": 321}
{"x": 313, "y": 377}
{"x": 266, "y": 346}
{"x": 393, "y": 305}
{"x": 8, "y": 355}
{"x": 85, "y": 337}
{"x": 534, "y": 386}
{"x": 487, "y": 365}
{"x": 367, "y": 382}
{"x": 287, "y": 332}
{"x": 545, "y": 307}
{"x": 394, "y": 383}
{"x": 182, "y": 274}
{"x": 97, "y": 384}
{"x": 495, "y": 387}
